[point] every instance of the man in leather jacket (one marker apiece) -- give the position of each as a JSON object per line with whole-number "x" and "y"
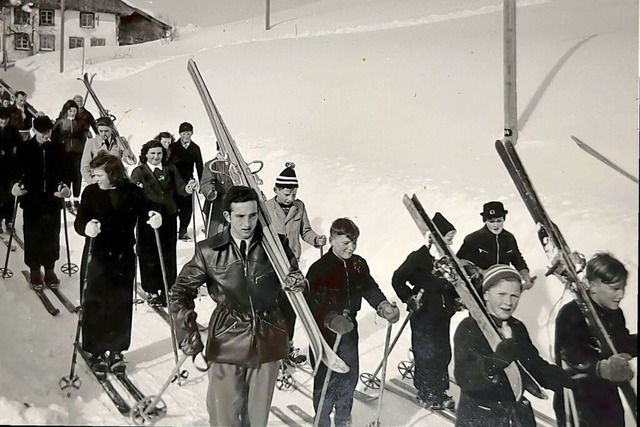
{"x": 247, "y": 332}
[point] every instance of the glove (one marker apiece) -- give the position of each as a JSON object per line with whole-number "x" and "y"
{"x": 191, "y": 345}
{"x": 211, "y": 195}
{"x": 458, "y": 305}
{"x": 63, "y": 191}
{"x": 338, "y": 323}
{"x": 18, "y": 189}
{"x": 92, "y": 229}
{"x": 295, "y": 281}
{"x": 414, "y": 303}
{"x": 506, "y": 352}
{"x": 155, "y": 220}
{"x": 388, "y": 311}
{"x": 320, "y": 241}
{"x": 191, "y": 186}
{"x": 616, "y": 368}
{"x": 527, "y": 281}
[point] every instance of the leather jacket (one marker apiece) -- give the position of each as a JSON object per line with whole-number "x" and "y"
{"x": 247, "y": 327}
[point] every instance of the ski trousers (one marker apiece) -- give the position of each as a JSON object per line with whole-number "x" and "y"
{"x": 431, "y": 346}
{"x": 185, "y": 211}
{"x": 147, "y": 249}
{"x": 41, "y": 237}
{"x": 74, "y": 180}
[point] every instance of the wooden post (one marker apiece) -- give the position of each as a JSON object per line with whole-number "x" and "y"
{"x": 510, "y": 87}
{"x": 62, "y": 36}
{"x": 5, "y": 57}
{"x": 267, "y": 18}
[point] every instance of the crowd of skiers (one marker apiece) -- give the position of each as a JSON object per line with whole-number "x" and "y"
{"x": 251, "y": 329}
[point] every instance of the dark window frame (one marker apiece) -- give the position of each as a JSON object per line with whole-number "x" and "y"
{"x": 76, "y": 42}
{"x": 85, "y": 15}
{"x": 48, "y": 36}
{"x": 21, "y": 36}
{"x": 21, "y": 17}
{"x": 94, "y": 40}
{"x": 47, "y": 17}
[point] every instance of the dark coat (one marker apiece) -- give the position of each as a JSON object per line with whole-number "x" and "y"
{"x": 336, "y": 285}
{"x": 70, "y": 133}
{"x": 415, "y": 273}
{"x": 160, "y": 191}
{"x": 471, "y": 352}
{"x": 247, "y": 327}
{"x": 41, "y": 169}
{"x": 10, "y": 139}
{"x": 484, "y": 249}
{"x": 597, "y": 399}
{"x": 21, "y": 119}
{"x": 184, "y": 160}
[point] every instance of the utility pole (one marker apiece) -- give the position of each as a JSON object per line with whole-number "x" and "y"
{"x": 509, "y": 69}
{"x": 267, "y": 18}
{"x": 62, "y": 36}
{"x": 4, "y": 38}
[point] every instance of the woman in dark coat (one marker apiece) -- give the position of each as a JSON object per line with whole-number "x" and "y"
{"x": 160, "y": 182}
{"x": 108, "y": 213}
{"x": 72, "y": 133}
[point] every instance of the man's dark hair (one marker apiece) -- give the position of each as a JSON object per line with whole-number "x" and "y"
{"x": 113, "y": 167}
{"x": 606, "y": 268}
{"x": 164, "y": 134}
{"x": 154, "y": 143}
{"x": 20, "y": 93}
{"x": 345, "y": 227}
{"x": 238, "y": 194}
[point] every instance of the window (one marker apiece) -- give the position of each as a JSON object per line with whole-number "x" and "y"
{"x": 20, "y": 17}
{"x": 97, "y": 42}
{"x": 87, "y": 20}
{"x": 47, "y": 42}
{"x": 47, "y": 17}
{"x": 75, "y": 42}
{"x": 22, "y": 41}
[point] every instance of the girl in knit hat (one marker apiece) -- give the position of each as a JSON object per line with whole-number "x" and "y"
{"x": 430, "y": 321}
{"x": 289, "y": 218}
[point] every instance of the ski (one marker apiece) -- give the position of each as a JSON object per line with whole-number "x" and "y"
{"x": 590, "y": 150}
{"x": 284, "y": 417}
{"x": 364, "y": 397}
{"x": 408, "y": 392}
{"x": 5, "y": 240}
{"x": 301, "y": 413}
{"x": 129, "y": 385}
{"x": 40, "y": 292}
{"x": 105, "y": 113}
{"x": 449, "y": 266}
{"x": 562, "y": 258}
{"x": 55, "y": 289}
{"x": 113, "y": 394}
{"x": 242, "y": 175}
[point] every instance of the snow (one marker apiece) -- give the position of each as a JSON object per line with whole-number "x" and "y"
{"x": 371, "y": 99}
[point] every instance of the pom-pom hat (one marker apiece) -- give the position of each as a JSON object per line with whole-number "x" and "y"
{"x": 287, "y": 178}
{"x": 497, "y": 272}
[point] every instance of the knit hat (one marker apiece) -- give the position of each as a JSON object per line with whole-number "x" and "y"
{"x": 287, "y": 178}
{"x": 104, "y": 121}
{"x": 185, "y": 127}
{"x": 442, "y": 224}
{"x": 497, "y": 272}
{"x": 42, "y": 124}
{"x": 491, "y": 210}
{"x": 5, "y": 113}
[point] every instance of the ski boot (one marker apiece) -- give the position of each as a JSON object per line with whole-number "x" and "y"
{"x": 36, "y": 280}
{"x": 284, "y": 380}
{"x": 99, "y": 365}
{"x": 117, "y": 364}
{"x": 50, "y": 279}
{"x": 295, "y": 358}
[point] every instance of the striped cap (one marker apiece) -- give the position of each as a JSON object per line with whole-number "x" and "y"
{"x": 497, "y": 272}
{"x": 287, "y": 178}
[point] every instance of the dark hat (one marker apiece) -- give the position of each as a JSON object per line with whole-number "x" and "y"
{"x": 287, "y": 178}
{"x": 42, "y": 124}
{"x": 104, "y": 121}
{"x": 5, "y": 113}
{"x": 497, "y": 272}
{"x": 491, "y": 210}
{"x": 6, "y": 95}
{"x": 185, "y": 127}
{"x": 442, "y": 224}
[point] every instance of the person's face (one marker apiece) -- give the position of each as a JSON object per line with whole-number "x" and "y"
{"x": 101, "y": 178}
{"x": 342, "y": 246}
{"x": 607, "y": 295}
{"x": 104, "y": 132}
{"x": 4, "y": 122}
{"x": 21, "y": 100}
{"x": 186, "y": 136}
{"x": 285, "y": 196}
{"x": 6, "y": 103}
{"x": 154, "y": 156}
{"x": 78, "y": 100}
{"x": 242, "y": 219}
{"x": 165, "y": 142}
{"x": 495, "y": 225}
{"x": 43, "y": 136}
{"x": 71, "y": 112}
{"x": 448, "y": 238}
{"x": 502, "y": 298}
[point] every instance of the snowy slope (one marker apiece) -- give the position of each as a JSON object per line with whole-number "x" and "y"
{"x": 370, "y": 100}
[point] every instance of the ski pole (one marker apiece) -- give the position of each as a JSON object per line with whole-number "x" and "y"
{"x": 68, "y": 268}
{"x": 146, "y": 410}
{"x": 193, "y": 214}
{"x": 174, "y": 340}
{"x": 73, "y": 380}
{"x": 327, "y": 377}
{"x": 371, "y": 380}
{"x": 207, "y": 227}
{"x": 6, "y": 273}
{"x": 376, "y": 422}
